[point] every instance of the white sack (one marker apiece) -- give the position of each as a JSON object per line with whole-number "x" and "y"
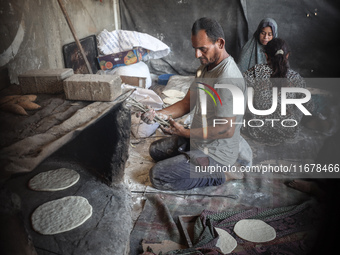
{"x": 123, "y": 40}
{"x": 144, "y": 96}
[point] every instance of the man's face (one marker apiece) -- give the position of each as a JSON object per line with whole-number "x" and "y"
{"x": 206, "y": 51}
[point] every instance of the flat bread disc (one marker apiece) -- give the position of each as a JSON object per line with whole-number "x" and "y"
{"x": 256, "y": 231}
{"x": 61, "y": 215}
{"x": 225, "y": 242}
{"x": 54, "y": 180}
{"x": 174, "y": 93}
{"x": 171, "y": 100}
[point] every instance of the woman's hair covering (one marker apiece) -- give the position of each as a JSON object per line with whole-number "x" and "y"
{"x": 268, "y": 22}
{"x": 277, "y": 50}
{"x": 211, "y": 27}
{"x": 252, "y": 51}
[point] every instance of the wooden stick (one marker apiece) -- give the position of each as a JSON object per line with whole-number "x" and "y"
{"x": 145, "y": 109}
{"x": 75, "y": 36}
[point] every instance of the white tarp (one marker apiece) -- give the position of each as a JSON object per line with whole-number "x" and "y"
{"x": 123, "y": 40}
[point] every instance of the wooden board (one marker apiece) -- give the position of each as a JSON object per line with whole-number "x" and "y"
{"x": 73, "y": 58}
{"x": 187, "y": 223}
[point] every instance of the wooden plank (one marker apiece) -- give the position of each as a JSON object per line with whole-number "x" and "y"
{"x": 187, "y": 223}
{"x": 74, "y": 35}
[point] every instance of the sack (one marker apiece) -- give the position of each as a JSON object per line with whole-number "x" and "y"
{"x": 123, "y": 40}
{"x": 147, "y": 97}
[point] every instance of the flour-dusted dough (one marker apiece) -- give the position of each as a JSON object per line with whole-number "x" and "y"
{"x": 254, "y": 230}
{"x": 61, "y": 215}
{"x": 225, "y": 242}
{"x": 170, "y": 100}
{"x": 174, "y": 93}
{"x": 54, "y": 180}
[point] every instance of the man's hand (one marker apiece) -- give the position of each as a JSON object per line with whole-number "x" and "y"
{"x": 176, "y": 129}
{"x": 148, "y": 117}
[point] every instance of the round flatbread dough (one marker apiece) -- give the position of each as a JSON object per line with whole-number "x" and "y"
{"x": 61, "y": 215}
{"x": 256, "y": 231}
{"x": 174, "y": 93}
{"x": 225, "y": 242}
{"x": 170, "y": 100}
{"x": 54, "y": 180}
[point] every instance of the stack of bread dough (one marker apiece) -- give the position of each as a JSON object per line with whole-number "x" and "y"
{"x": 173, "y": 96}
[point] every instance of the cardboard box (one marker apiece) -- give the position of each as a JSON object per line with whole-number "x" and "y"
{"x": 134, "y": 81}
{"x": 108, "y": 62}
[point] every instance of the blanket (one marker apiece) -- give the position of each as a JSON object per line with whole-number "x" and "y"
{"x": 296, "y": 227}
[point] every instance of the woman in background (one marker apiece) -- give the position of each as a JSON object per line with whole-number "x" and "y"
{"x": 252, "y": 51}
{"x": 260, "y": 78}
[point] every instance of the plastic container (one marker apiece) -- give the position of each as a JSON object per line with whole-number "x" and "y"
{"x": 164, "y": 78}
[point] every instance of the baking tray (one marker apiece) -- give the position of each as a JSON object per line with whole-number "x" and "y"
{"x": 74, "y": 59}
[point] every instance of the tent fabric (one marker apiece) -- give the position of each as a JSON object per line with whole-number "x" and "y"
{"x": 309, "y": 27}
{"x": 171, "y": 22}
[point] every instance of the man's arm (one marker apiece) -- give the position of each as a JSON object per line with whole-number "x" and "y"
{"x": 178, "y": 109}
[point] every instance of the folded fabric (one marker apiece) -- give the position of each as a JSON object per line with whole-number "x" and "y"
{"x": 285, "y": 220}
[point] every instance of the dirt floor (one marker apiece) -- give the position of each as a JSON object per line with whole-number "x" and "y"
{"x": 256, "y": 190}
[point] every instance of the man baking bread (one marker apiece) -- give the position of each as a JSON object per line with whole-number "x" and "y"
{"x": 183, "y": 159}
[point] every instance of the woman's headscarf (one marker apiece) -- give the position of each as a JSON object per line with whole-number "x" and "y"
{"x": 252, "y": 52}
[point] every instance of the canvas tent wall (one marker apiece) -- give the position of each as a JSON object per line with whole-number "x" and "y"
{"x": 308, "y": 26}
